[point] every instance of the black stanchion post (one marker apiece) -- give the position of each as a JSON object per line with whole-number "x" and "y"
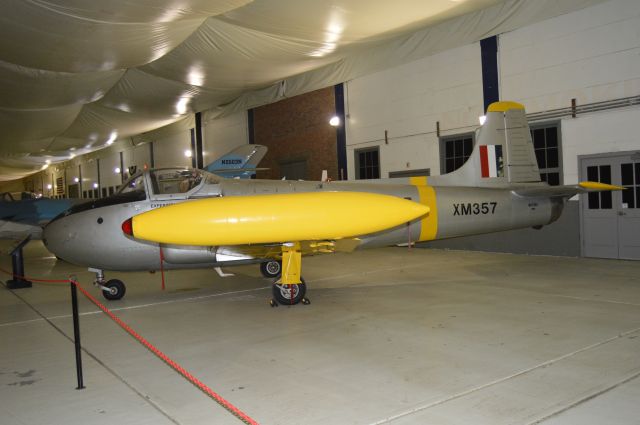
{"x": 76, "y": 333}
{"x": 17, "y": 262}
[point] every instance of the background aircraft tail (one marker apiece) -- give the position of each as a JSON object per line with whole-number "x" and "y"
{"x": 503, "y": 153}
{"x": 241, "y": 162}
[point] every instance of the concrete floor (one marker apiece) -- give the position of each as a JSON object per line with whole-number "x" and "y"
{"x": 392, "y": 336}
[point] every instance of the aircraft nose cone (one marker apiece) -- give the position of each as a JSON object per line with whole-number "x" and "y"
{"x": 58, "y": 237}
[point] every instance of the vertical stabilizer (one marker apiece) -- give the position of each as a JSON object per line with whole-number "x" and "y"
{"x": 503, "y": 153}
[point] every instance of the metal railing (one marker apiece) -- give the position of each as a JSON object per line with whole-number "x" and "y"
{"x": 574, "y": 110}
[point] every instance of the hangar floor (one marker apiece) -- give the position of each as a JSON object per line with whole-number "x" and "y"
{"x": 425, "y": 336}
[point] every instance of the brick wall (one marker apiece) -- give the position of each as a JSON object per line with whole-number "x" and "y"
{"x": 297, "y": 129}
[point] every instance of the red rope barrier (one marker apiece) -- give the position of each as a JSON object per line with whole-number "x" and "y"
{"x": 195, "y": 381}
{"x": 32, "y": 278}
{"x": 173, "y": 364}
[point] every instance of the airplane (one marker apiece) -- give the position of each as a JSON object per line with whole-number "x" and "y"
{"x": 210, "y": 221}
{"x": 25, "y": 215}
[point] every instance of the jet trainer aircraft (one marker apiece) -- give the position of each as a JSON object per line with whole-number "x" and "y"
{"x": 190, "y": 218}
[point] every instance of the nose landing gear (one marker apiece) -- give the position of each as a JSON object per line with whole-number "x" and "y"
{"x": 113, "y": 289}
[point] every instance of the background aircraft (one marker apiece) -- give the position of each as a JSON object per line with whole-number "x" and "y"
{"x": 228, "y": 221}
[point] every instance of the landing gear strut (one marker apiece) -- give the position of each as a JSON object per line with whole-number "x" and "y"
{"x": 113, "y": 289}
{"x": 290, "y": 288}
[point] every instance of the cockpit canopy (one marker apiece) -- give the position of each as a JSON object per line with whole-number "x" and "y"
{"x": 168, "y": 181}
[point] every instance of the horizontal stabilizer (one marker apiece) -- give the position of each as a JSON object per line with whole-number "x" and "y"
{"x": 564, "y": 191}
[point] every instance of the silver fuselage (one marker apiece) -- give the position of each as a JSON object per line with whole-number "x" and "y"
{"x": 92, "y": 236}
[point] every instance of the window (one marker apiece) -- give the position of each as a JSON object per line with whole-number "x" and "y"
{"x": 368, "y": 163}
{"x": 600, "y": 200}
{"x": 546, "y": 143}
{"x": 630, "y": 173}
{"x": 457, "y": 150}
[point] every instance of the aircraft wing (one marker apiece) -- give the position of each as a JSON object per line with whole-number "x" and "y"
{"x": 18, "y": 231}
{"x": 274, "y": 251}
{"x": 566, "y": 191}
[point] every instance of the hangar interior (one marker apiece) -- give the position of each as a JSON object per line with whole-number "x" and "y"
{"x": 468, "y": 330}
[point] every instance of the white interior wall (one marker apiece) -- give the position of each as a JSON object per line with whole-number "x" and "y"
{"x": 138, "y": 156}
{"x": 407, "y": 101}
{"x": 108, "y": 165}
{"x": 89, "y": 173}
{"x": 591, "y": 55}
{"x": 169, "y": 151}
{"x": 224, "y": 134}
{"x": 602, "y": 132}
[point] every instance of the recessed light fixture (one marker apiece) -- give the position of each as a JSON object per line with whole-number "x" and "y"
{"x": 116, "y": 170}
{"x": 334, "y": 121}
{"x": 95, "y": 185}
{"x": 188, "y": 153}
{"x": 76, "y": 179}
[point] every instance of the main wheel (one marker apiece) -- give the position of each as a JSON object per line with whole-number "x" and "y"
{"x": 116, "y": 290}
{"x": 271, "y": 268}
{"x": 289, "y": 294}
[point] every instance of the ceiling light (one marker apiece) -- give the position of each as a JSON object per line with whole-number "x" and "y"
{"x": 76, "y": 179}
{"x": 116, "y": 170}
{"x": 48, "y": 161}
{"x": 95, "y": 185}
{"x": 112, "y": 137}
{"x": 334, "y": 121}
{"x": 482, "y": 119}
{"x": 49, "y": 186}
{"x": 188, "y": 153}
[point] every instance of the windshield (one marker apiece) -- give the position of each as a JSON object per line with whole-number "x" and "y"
{"x": 171, "y": 180}
{"x": 135, "y": 183}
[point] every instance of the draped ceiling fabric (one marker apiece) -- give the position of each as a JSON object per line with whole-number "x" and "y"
{"x": 77, "y": 75}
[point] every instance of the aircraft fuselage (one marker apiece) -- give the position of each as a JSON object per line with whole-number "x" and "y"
{"x": 93, "y": 237}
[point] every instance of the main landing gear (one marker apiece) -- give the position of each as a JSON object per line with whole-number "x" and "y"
{"x": 113, "y": 289}
{"x": 289, "y": 288}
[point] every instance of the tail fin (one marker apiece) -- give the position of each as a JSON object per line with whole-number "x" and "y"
{"x": 241, "y": 162}
{"x": 503, "y": 153}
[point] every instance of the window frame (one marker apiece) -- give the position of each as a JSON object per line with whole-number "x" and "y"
{"x": 357, "y": 153}
{"x": 546, "y": 170}
{"x": 443, "y": 140}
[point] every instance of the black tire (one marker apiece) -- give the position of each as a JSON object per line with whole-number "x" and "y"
{"x": 283, "y": 293}
{"x": 271, "y": 268}
{"x": 116, "y": 290}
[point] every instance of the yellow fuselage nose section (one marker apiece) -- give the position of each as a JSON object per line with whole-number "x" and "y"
{"x": 242, "y": 220}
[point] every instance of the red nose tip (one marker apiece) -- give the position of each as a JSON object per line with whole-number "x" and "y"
{"x": 127, "y": 227}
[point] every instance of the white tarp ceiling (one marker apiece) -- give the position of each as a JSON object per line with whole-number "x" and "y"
{"x": 75, "y": 75}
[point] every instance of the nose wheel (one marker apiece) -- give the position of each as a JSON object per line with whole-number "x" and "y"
{"x": 113, "y": 289}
